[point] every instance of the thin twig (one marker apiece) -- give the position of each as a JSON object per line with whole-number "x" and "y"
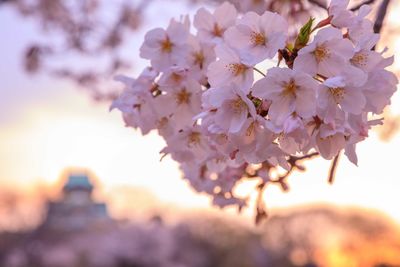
{"x": 380, "y": 17}
{"x": 308, "y": 156}
{"x": 332, "y": 170}
{"x": 317, "y": 3}
{"x": 294, "y": 165}
{"x": 261, "y": 211}
{"x": 259, "y": 71}
{"x": 366, "y": 2}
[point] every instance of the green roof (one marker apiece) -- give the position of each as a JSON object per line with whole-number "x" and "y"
{"x": 78, "y": 181}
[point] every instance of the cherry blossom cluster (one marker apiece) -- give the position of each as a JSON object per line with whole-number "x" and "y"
{"x": 237, "y": 99}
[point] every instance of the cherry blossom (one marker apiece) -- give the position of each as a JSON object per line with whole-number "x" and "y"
{"x": 200, "y": 56}
{"x": 378, "y": 90}
{"x": 165, "y": 47}
{"x": 360, "y": 26}
{"x": 230, "y": 107}
{"x": 335, "y": 95}
{"x": 258, "y": 37}
{"x": 341, "y": 17}
{"x": 136, "y": 101}
{"x": 326, "y": 55}
{"x": 181, "y": 103}
{"x": 290, "y": 91}
{"x": 211, "y": 27}
{"x": 230, "y": 67}
{"x": 224, "y": 125}
{"x": 330, "y": 141}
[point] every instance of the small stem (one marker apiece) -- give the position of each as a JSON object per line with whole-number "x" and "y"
{"x": 380, "y": 17}
{"x": 308, "y": 156}
{"x": 322, "y": 23}
{"x": 261, "y": 213}
{"x": 259, "y": 71}
{"x": 317, "y": 3}
{"x": 357, "y": 7}
{"x": 332, "y": 170}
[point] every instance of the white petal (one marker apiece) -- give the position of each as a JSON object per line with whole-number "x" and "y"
{"x": 306, "y": 63}
{"x": 280, "y": 109}
{"x": 225, "y": 15}
{"x": 203, "y": 19}
{"x": 353, "y": 101}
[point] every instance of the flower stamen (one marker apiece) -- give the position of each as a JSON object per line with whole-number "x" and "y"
{"x": 217, "y": 31}
{"x": 359, "y": 59}
{"x": 258, "y": 38}
{"x": 183, "y": 97}
{"x": 166, "y": 45}
{"x": 338, "y": 94}
{"x": 321, "y": 53}
{"x": 236, "y": 69}
{"x": 194, "y": 138}
{"x": 290, "y": 88}
{"x": 199, "y": 59}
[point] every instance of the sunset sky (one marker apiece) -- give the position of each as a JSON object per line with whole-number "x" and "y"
{"x": 47, "y": 125}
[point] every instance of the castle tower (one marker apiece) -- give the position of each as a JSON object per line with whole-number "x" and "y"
{"x": 78, "y": 190}
{"x": 76, "y": 210}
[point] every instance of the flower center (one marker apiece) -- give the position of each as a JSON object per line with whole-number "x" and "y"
{"x": 199, "y": 59}
{"x": 238, "y": 106}
{"x": 176, "y": 77}
{"x": 236, "y": 69}
{"x": 359, "y": 59}
{"x": 183, "y": 97}
{"x": 162, "y": 122}
{"x": 290, "y": 88}
{"x": 221, "y": 138}
{"x": 327, "y": 138}
{"x": 217, "y": 31}
{"x": 166, "y": 45}
{"x": 321, "y": 53}
{"x": 250, "y": 130}
{"x": 337, "y": 93}
{"x": 257, "y": 38}
{"x": 194, "y": 138}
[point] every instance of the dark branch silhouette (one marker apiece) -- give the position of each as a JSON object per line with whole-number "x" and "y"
{"x": 357, "y": 7}
{"x": 380, "y": 17}
{"x": 332, "y": 169}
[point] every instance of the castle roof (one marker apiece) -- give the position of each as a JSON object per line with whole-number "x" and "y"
{"x": 78, "y": 181}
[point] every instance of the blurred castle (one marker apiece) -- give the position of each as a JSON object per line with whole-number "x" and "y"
{"x": 76, "y": 210}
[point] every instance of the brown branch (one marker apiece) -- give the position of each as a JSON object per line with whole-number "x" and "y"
{"x": 294, "y": 165}
{"x": 332, "y": 169}
{"x": 308, "y": 156}
{"x": 318, "y": 4}
{"x": 380, "y": 17}
{"x": 366, "y": 2}
{"x": 261, "y": 211}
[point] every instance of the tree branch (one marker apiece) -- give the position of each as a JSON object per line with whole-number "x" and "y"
{"x": 366, "y": 2}
{"x": 380, "y": 17}
{"x": 294, "y": 165}
{"x": 261, "y": 211}
{"x": 332, "y": 170}
{"x": 317, "y": 3}
{"x": 259, "y": 71}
